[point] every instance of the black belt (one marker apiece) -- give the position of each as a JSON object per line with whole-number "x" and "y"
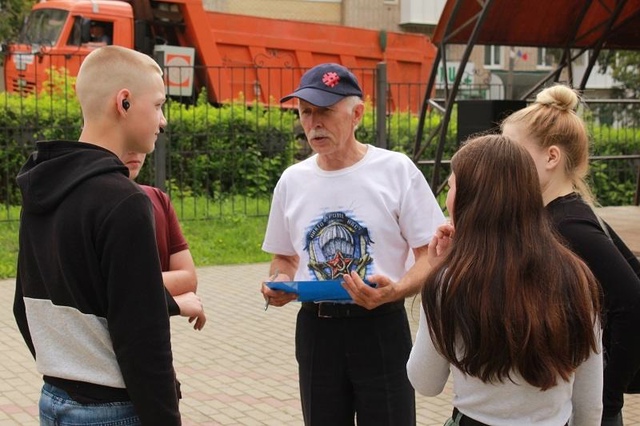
{"x": 88, "y": 393}
{"x": 463, "y": 420}
{"x": 350, "y": 310}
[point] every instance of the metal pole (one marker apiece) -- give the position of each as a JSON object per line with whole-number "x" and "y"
{"x": 636, "y": 197}
{"x": 418, "y": 147}
{"x": 381, "y": 105}
{"x": 435, "y": 180}
{"x": 512, "y": 62}
{"x": 600, "y": 43}
{"x": 160, "y": 162}
{"x": 160, "y": 152}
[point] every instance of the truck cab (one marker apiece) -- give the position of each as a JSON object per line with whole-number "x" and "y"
{"x": 58, "y": 34}
{"x": 235, "y": 57}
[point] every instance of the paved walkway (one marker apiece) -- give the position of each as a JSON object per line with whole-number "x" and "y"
{"x": 239, "y": 370}
{"x": 626, "y": 222}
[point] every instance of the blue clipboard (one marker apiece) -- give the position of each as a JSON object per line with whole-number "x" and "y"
{"x": 314, "y": 291}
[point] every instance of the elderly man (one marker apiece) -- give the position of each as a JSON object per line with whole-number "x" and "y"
{"x": 350, "y": 212}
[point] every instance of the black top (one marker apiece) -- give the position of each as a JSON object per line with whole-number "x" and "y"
{"x": 618, "y": 272}
{"x": 90, "y": 300}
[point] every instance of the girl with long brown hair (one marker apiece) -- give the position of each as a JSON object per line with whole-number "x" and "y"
{"x": 510, "y": 311}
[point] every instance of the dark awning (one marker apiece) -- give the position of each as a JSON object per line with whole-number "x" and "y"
{"x": 545, "y": 23}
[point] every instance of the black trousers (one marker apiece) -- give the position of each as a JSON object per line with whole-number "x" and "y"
{"x": 354, "y": 368}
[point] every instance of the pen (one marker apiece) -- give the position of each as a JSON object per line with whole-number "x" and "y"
{"x": 268, "y": 299}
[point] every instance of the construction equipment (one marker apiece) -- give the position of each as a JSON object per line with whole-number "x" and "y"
{"x": 232, "y": 56}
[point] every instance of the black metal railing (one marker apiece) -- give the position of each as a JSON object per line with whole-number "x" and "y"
{"x": 220, "y": 158}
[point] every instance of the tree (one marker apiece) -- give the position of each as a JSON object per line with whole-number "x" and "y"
{"x": 624, "y": 70}
{"x": 12, "y": 14}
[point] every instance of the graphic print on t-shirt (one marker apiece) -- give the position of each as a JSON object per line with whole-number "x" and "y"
{"x": 337, "y": 244}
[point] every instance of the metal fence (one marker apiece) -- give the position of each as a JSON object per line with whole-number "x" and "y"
{"x": 219, "y": 159}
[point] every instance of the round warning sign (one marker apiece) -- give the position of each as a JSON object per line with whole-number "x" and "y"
{"x": 179, "y": 70}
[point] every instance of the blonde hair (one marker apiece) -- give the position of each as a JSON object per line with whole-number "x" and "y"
{"x": 552, "y": 120}
{"x": 107, "y": 70}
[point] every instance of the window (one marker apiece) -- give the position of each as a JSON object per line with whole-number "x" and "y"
{"x": 545, "y": 59}
{"x": 86, "y": 30}
{"x": 493, "y": 56}
{"x": 583, "y": 59}
{"x": 43, "y": 27}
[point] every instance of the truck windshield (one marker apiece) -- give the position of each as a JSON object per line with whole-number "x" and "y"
{"x": 43, "y": 26}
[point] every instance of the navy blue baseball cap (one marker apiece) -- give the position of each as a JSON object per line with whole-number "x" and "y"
{"x": 325, "y": 85}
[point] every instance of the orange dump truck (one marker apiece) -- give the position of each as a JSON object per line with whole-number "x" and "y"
{"x": 232, "y": 56}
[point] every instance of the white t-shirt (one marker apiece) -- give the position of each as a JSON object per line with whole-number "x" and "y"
{"x": 509, "y": 403}
{"x": 365, "y": 217}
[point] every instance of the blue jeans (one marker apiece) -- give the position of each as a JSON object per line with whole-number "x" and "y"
{"x": 58, "y": 409}
{"x": 355, "y": 369}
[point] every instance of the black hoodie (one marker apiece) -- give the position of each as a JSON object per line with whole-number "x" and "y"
{"x": 89, "y": 301}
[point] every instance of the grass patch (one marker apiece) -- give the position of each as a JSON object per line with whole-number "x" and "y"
{"x": 226, "y": 240}
{"x": 230, "y": 234}
{"x": 234, "y": 207}
{"x": 8, "y": 248}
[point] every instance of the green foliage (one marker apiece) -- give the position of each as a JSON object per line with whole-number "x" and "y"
{"x": 8, "y": 248}
{"x": 615, "y": 141}
{"x": 217, "y": 241}
{"x": 232, "y": 149}
{"x": 610, "y": 191}
{"x": 401, "y": 128}
{"x": 614, "y": 183}
{"x": 214, "y": 152}
{"x": 53, "y": 113}
{"x": 624, "y": 70}
{"x": 12, "y": 14}
{"x": 190, "y": 208}
{"x": 224, "y": 162}
{"x": 227, "y": 240}
{"x": 240, "y": 150}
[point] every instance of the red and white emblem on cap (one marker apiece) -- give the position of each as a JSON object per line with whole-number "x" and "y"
{"x": 330, "y": 79}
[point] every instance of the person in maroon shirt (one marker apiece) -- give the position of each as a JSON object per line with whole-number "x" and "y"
{"x": 178, "y": 268}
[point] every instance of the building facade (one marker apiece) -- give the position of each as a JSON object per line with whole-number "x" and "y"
{"x": 492, "y": 72}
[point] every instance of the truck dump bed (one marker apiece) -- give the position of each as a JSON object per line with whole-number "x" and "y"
{"x": 236, "y": 56}
{"x": 250, "y": 49}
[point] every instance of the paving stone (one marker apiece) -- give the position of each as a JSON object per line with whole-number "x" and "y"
{"x": 239, "y": 370}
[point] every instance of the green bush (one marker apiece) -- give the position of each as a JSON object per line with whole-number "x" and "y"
{"x": 614, "y": 182}
{"x": 213, "y": 152}
{"x": 241, "y": 149}
{"x": 232, "y": 149}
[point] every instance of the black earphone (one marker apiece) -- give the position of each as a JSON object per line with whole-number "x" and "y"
{"x": 125, "y": 104}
